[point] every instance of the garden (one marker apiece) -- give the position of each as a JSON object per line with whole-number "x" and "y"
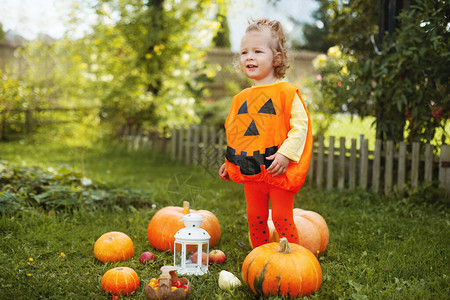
{"x": 380, "y": 247}
{"x": 72, "y": 112}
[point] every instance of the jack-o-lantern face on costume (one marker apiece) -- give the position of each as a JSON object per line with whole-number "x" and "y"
{"x": 257, "y": 125}
{"x": 252, "y": 129}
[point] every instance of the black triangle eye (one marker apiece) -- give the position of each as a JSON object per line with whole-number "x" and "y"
{"x": 267, "y": 108}
{"x": 243, "y": 109}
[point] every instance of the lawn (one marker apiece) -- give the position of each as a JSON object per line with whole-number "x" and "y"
{"x": 380, "y": 247}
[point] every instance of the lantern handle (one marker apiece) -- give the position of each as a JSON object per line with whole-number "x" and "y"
{"x": 186, "y": 209}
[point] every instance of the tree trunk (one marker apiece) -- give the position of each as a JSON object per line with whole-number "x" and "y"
{"x": 156, "y": 25}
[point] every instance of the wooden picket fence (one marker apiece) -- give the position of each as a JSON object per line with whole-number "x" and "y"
{"x": 387, "y": 168}
{"x": 16, "y": 123}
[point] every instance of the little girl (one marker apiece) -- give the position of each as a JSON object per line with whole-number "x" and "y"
{"x": 269, "y": 138}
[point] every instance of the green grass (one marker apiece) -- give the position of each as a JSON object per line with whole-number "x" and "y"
{"x": 380, "y": 247}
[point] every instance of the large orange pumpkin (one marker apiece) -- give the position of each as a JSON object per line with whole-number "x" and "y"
{"x": 312, "y": 230}
{"x": 167, "y": 221}
{"x": 121, "y": 280}
{"x": 113, "y": 246}
{"x": 282, "y": 269}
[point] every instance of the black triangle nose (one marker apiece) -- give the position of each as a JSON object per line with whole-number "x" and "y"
{"x": 252, "y": 130}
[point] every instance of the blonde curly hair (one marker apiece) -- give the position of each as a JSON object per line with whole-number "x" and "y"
{"x": 281, "y": 62}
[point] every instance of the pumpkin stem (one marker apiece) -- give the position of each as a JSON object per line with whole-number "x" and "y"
{"x": 284, "y": 246}
{"x": 186, "y": 209}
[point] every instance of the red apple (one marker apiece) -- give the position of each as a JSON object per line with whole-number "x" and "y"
{"x": 217, "y": 256}
{"x": 147, "y": 257}
{"x": 195, "y": 255}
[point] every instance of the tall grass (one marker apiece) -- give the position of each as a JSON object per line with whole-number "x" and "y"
{"x": 380, "y": 247}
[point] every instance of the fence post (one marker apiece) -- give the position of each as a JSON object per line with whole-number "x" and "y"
{"x": 428, "y": 175}
{"x": 361, "y": 141}
{"x": 364, "y": 164}
{"x": 180, "y": 143}
{"x": 341, "y": 171}
{"x": 319, "y": 174}
{"x": 204, "y": 156}
{"x": 401, "y": 166}
{"x": 173, "y": 143}
{"x": 444, "y": 168}
{"x": 352, "y": 167}
{"x": 187, "y": 156}
{"x": 376, "y": 166}
{"x": 196, "y": 151}
{"x": 330, "y": 163}
{"x": 389, "y": 167}
{"x": 415, "y": 159}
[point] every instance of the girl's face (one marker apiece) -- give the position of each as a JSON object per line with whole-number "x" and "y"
{"x": 257, "y": 58}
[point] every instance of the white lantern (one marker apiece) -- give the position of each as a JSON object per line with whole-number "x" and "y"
{"x": 191, "y": 247}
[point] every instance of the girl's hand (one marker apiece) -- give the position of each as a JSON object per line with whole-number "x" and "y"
{"x": 223, "y": 173}
{"x": 279, "y": 164}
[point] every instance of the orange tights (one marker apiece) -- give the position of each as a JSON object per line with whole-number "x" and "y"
{"x": 258, "y": 195}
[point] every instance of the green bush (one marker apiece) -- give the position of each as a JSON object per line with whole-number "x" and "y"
{"x": 27, "y": 188}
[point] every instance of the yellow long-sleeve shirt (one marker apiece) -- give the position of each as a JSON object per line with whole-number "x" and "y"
{"x": 293, "y": 146}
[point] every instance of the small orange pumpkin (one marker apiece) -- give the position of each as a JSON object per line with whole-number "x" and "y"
{"x": 121, "y": 280}
{"x": 113, "y": 246}
{"x": 282, "y": 269}
{"x": 312, "y": 230}
{"x": 167, "y": 221}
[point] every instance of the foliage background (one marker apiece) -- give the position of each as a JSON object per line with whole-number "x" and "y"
{"x": 142, "y": 64}
{"x": 403, "y": 82}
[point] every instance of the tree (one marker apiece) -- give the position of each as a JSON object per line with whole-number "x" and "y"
{"x": 405, "y": 83}
{"x": 146, "y": 59}
{"x": 315, "y": 35}
{"x": 2, "y": 33}
{"x": 222, "y": 37}
{"x": 141, "y": 63}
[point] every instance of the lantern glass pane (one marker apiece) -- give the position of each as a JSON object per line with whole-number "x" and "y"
{"x": 178, "y": 255}
{"x": 205, "y": 249}
{"x": 192, "y": 258}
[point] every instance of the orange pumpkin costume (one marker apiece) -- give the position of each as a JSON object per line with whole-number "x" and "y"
{"x": 257, "y": 125}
